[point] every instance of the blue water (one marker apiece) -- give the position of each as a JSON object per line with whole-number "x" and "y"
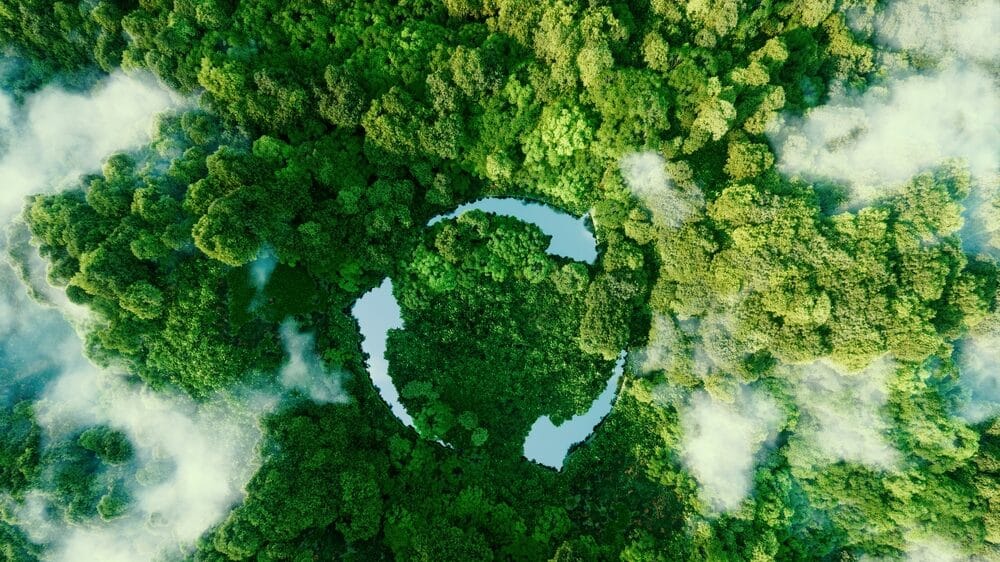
{"x": 377, "y": 312}
{"x": 548, "y": 443}
{"x": 570, "y": 236}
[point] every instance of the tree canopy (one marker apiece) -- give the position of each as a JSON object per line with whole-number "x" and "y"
{"x": 326, "y": 134}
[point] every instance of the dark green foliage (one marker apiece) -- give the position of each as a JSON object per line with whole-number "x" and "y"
{"x": 20, "y": 448}
{"x": 15, "y": 546}
{"x": 480, "y": 297}
{"x": 109, "y": 445}
{"x": 337, "y": 483}
{"x": 605, "y": 328}
{"x": 330, "y": 132}
{"x": 74, "y": 481}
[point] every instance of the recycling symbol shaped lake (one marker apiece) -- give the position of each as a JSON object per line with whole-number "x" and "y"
{"x": 378, "y": 312}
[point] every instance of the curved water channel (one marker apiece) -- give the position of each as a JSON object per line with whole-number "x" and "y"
{"x": 377, "y": 312}
{"x": 570, "y": 236}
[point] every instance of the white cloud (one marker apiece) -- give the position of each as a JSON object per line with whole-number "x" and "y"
{"x": 979, "y": 376}
{"x": 894, "y": 132}
{"x": 912, "y": 122}
{"x": 55, "y": 136}
{"x": 58, "y": 135}
{"x": 193, "y": 459}
{"x": 305, "y": 372}
{"x": 6, "y": 120}
{"x": 935, "y": 550}
{"x": 960, "y": 30}
{"x": 841, "y": 413}
{"x": 23, "y": 324}
{"x": 645, "y": 173}
{"x": 262, "y": 268}
{"x": 45, "y": 144}
{"x": 721, "y": 441}
{"x": 204, "y": 453}
{"x": 981, "y": 232}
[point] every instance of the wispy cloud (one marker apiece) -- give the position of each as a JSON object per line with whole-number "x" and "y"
{"x": 979, "y": 376}
{"x": 305, "y": 372}
{"x": 914, "y": 120}
{"x": 192, "y": 461}
{"x": 841, "y": 414}
{"x": 721, "y": 442}
{"x": 645, "y": 174}
{"x": 57, "y": 135}
{"x": 194, "y": 458}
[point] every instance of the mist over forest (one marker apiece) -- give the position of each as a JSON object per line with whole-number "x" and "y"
{"x": 302, "y": 280}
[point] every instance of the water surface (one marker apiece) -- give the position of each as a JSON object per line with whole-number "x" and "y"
{"x": 570, "y": 236}
{"x": 548, "y": 443}
{"x": 378, "y": 312}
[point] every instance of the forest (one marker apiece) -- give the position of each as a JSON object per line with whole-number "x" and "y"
{"x": 797, "y": 210}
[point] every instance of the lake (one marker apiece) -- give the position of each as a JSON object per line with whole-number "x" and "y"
{"x": 377, "y": 312}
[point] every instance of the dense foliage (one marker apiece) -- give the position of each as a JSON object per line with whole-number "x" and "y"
{"x": 330, "y": 132}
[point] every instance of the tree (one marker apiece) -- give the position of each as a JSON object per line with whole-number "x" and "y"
{"x": 20, "y": 448}
{"x": 344, "y": 101}
{"x": 605, "y": 329}
{"x": 111, "y": 446}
